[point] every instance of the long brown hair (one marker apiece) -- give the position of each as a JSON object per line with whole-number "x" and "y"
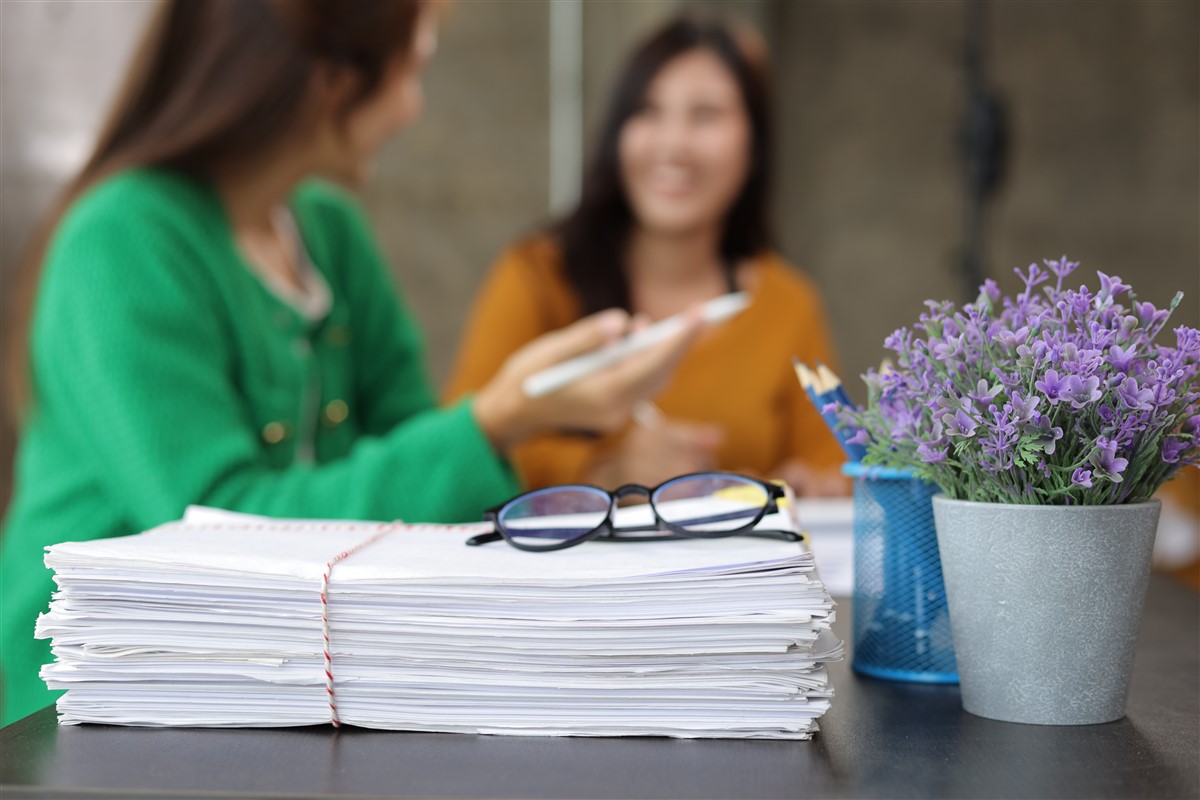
{"x": 212, "y": 81}
{"x": 594, "y": 235}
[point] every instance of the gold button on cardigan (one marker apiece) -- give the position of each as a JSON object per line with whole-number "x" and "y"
{"x": 335, "y": 413}
{"x": 275, "y": 432}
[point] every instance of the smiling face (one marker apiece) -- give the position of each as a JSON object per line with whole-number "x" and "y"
{"x": 685, "y": 153}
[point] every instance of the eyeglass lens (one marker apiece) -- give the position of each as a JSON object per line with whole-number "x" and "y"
{"x": 555, "y": 514}
{"x": 713, "y": 502}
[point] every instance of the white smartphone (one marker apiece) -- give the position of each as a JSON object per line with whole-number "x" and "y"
{"x": 554, "y": 378}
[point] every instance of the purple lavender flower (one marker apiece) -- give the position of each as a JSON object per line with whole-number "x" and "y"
{"x": 960, "y": 424}
{"x": 964, "y": 402}
{"x": 1149, "y": 316}
{"x": 983, "y": 394}
{"x": 1052, "y": 386}
{"x": 990, "y": 290}
{"x": 946, "y": 404}
{"x": 1078, "y": 303}
{"x": 1062, "y": 268}
{"x": 1109, "y": 288}
{"x": 933, "y": 452}
{"x": 1187, "y": 341}
{"x": 860, "y": 437}
{"x": 998, "y": 445}
{"x": 1173, "y": 449}
{"x": 1105, "y": 462}
{"x": 1037, "y": 351}
{"x": 1081, "y": 391}
{"x": 1133, "y": 397}
{"x": 1009, "y": 338}
{"x": 1120, "y": 358}
{"x": 1067, "y": 355}
{"x": 1009, "y": 380}
{"x": 1032, "y": 277}
{"x": 898, "y": 340}
{"x": 949, "y": 349}
{"x": 1022, "y": 407}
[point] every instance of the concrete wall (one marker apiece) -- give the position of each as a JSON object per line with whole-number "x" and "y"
{"x": 1103, "y": 110}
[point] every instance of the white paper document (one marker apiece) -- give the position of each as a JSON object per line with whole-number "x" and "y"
{"x": 216, "y": 620}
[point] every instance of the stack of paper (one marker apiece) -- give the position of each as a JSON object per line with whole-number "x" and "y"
{"x": 218, "y": 622}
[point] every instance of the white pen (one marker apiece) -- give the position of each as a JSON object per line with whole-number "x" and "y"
{"x": 648, "y": 415}
{"x": 559, "y": 375}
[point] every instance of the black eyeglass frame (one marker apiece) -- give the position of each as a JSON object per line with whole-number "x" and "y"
{"x": 605, "y": 531}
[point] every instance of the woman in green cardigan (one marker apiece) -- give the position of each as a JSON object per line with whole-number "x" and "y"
{"x": 209, "y": 322}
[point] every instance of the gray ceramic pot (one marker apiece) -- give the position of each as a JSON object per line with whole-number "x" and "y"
{"x": 1045, "y": 603}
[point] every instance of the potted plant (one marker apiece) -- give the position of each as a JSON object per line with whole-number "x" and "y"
{"x": 1048, "y": 419}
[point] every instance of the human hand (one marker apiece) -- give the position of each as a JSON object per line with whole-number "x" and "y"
{"x": 652, "y": 453}
{"x": 599, "y": 402}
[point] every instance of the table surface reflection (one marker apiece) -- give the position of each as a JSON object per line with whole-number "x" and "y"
{"x": 881, "y": 739}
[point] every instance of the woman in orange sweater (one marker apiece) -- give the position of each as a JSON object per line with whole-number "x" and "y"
{"x": 673, "y": 212}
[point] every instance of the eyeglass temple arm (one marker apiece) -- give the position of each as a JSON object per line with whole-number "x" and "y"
{"x": 790, "y": 536}
{"x": 487, "y": 538}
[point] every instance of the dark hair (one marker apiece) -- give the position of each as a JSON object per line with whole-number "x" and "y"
{"x": 214, "y": 81}
{"x": 593, "y": 236}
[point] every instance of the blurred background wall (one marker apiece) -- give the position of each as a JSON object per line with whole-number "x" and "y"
{"x": 1101, "y": 98}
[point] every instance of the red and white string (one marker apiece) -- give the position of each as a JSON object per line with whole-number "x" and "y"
{"x": 383, "y": 531}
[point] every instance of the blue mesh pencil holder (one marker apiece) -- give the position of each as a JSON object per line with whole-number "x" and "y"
{"x": 901, "y": 623}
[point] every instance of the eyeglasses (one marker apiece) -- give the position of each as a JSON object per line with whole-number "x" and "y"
{"x": 703, "y": 505}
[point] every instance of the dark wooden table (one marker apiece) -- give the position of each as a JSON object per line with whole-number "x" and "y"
{"x": 881, "y": 739}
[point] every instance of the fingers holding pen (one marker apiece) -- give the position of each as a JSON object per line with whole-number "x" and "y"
{"x": 598, "y": 398}
{"x": 645, "y": 373}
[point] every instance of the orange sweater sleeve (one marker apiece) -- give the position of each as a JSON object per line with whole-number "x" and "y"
{"x": 523, "y": 297}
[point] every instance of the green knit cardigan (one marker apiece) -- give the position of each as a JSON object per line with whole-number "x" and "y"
{"x": 166, "y": 373}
